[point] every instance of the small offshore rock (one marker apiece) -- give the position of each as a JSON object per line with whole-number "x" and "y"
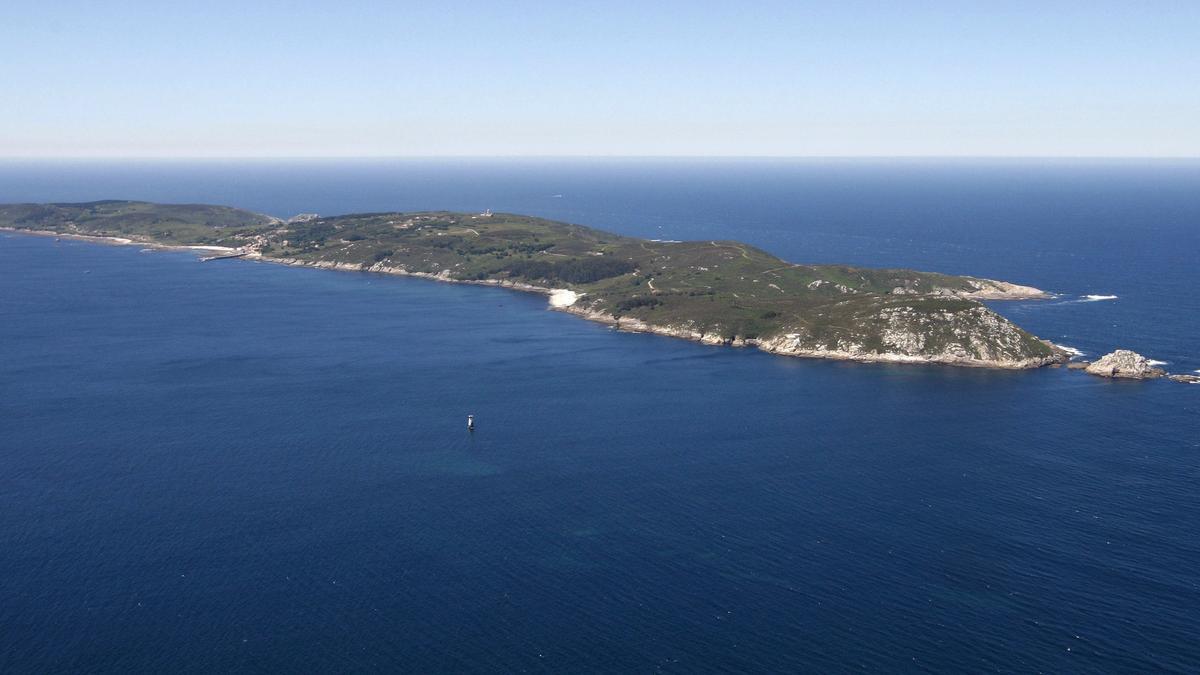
{"x": 1186, "y": 379}
{"x": 1124, "y": 364}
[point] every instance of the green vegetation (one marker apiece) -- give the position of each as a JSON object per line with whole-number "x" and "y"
{"x": 163, "y": 223}
{"x": 723, "y": 288}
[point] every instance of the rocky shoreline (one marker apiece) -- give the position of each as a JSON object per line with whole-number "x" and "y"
{"x": 1119, "y": 364}
{"x": 789, "y": 345}
{"x": 668, "y": 288}
{"x": 783, "y": 345}
{"x": 990, "y": 289}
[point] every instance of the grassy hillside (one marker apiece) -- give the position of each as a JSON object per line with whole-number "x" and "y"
{"x": 163, "y": 223}
{"x": 722, "y": 288}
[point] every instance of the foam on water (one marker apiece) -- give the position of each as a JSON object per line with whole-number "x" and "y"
{"x": 1070, "y": 350}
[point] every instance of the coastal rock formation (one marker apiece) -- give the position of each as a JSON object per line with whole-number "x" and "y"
{"x": 715, "y": 292}
{"x": 1124, "y": 364}
{"x": 989, "y": 289}
{"x": 562, "y": 297}
{"x": 974, "y": 336}
{"x": 966, "y": 336}
{"x": 1186, "y": 379}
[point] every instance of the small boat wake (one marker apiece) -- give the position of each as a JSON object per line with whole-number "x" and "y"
{"x": 1096, "y": 298}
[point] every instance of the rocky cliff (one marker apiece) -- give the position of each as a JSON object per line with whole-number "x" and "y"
{"x": 1124, "y": 364}
{"x": 717, "y": 292}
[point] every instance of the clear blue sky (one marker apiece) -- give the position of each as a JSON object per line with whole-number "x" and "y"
{"x": 353, "y": 78}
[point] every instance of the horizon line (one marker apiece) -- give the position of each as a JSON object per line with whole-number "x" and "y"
{"x": 12, "y": 158}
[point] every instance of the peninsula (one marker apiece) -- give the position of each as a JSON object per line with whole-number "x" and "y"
{"x": 716, "y": 292}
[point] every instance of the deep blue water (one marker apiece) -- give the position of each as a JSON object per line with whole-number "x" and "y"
{"x": 239, "y": 466}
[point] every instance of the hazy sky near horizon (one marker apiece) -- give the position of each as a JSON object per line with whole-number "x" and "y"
{"x": 357, "y": 78}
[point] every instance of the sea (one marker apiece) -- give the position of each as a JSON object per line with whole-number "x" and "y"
{"x": 247, "y": 467}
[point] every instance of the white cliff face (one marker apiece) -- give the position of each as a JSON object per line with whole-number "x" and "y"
{"x": 1124, "y": 364}
{"x": 563, "y": 298}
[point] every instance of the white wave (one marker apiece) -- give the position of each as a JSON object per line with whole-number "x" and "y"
{"x": 1157, "y": 363}
{"x": 1070, "y": 350}
{"x": 1097, "y": 298}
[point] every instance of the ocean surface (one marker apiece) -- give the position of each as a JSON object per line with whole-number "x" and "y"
{"x": 242, "y": 466}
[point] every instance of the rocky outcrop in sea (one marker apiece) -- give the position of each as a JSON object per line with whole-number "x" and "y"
{"x": 1124, "y": 364}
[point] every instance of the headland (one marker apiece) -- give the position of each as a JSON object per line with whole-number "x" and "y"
{"x": 715, "y": 292}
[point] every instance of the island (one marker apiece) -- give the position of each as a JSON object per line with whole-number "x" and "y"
{"x": 716, "y": 292}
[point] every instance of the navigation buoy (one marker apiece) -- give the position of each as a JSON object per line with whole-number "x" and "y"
{"x": 470, "y": 423}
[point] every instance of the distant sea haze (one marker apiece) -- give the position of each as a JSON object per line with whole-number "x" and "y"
{"x": 240, "y": 466}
